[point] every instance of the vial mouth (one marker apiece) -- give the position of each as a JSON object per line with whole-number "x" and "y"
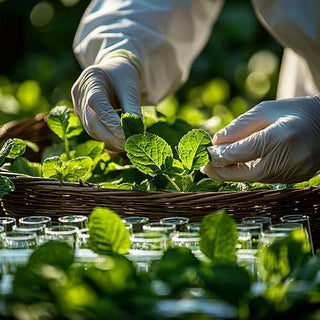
{"x": 20, "y": 236}
{"x": 61, "y": 230}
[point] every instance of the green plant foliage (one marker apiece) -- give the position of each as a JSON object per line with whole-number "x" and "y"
{"x": 177, "y": 270}
{"x": 54, "y": 253}
{"x": 107, "y": 232}
{"x": 23, "y": 166}
{"x": 52, "y": 168}
{"x": 90, "y": 148}
{"x": 51, "y": 284}
{"x": 237, "y": 278}
{"x": 277, "y": 260}
{"x": 219, "y": 237}
{"x": 12, "y": 149}
{"x": 58, "y": 120}
{"x": 207, "y": 184}
{"x": 131, "y": 124}
{"x": 153, "y": 156}
{"x": 64, "y": 123}
{"x": 71, "y": 170}
{"x": 77, "y": 168}
{"x": 6, "y": 186}
{"x": 192, "y": 149}
{"x": 149, "y": 153}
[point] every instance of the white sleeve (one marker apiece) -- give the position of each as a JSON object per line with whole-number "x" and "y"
{"x": 296, "y": 25}
{"x": 165, "y": 35}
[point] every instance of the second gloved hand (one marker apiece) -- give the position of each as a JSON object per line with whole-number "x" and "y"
{"x": 112, "y": 84}
{"x": 274, "y": 142}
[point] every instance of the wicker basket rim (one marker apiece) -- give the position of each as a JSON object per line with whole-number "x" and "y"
{"x": 42, "y": 182}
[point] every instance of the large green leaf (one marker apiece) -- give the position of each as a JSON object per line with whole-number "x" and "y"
{"x": 90, "y": 148}
{"x": 52, "y": 168}
{"x": 107, "y": 232}
{"x": 64, "y": 123}
{"x": 58, "y": 120}
{"x": 76, "y": 169}
{"x": 74, "y": 127}
{"x": 52, "y": 253}
{"x": 6, "y": 186}
{"x": 131, "y": 124}
{"x": 177, "y": 268}
{"x": 228, "y": 282}
{"x": 192, "y": 149}
{"x": 22, "y": 165}
{"x": 149, "y": 153}
{"x": 218, "y": 237}
{"x": 12, "y": 149}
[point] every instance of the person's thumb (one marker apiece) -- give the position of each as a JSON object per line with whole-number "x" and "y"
{"x": 242, "y": 127}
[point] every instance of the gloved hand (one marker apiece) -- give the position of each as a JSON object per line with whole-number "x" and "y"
{"x": 112, "y": 84}
{"x": 274, "y": 142}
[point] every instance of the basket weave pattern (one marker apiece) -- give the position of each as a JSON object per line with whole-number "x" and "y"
{"x": 40, "y": 196}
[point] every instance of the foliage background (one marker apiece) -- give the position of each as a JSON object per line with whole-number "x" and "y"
{"x": 237, "y": 69}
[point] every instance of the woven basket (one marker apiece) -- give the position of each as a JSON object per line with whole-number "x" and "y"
{"x": 33, "y": 129}
{"x": 40, "y": 196}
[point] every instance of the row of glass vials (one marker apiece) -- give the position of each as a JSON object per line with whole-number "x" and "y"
{"x": 148, "y": 239}
{"x": 28, "y": 232}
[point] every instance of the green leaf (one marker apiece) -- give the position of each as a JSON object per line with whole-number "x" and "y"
{"x": 12, "y": 149}
{"x": 277, "y": 260}
{"x": 131, "y": 124}
{"x": 207, "y": 184}
{"x": 18, "y": 148}
{"x": 90, "y": 148}
{"x": 218, "y": 237}
{"x": 315, "y": 181}
{"x": 228, "y": 282}
{"x": 177, "y": 269}
{"x": 6, "y": 186}
{"x": 76, "y": 169}
{"x": 149, "y": 153}
{"x": 192, "y": 149}
{"x": 54, "y": 253}
{"x": 74, "y": 127}
{"x": 22, "y": 165}
{"x": 58, "y": 120}
{"x": 107, "y": 232}
{"x": 52, "y": 168}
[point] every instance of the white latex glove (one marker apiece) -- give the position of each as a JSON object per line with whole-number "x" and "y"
{"x": 274, "y": 142}
{"x": 101, "y": 88}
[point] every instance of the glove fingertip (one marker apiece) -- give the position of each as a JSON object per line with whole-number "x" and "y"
{"x": 203, "y": 169}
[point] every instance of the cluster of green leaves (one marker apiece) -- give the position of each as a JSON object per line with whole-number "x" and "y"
{"x": 167, "y": 160}
{"x": 71, "y": 157}
{"x": 12, "y": 149}
{"x": 152, "y": 165}
{"x": 152, "y": 155}
{"x": 51, "y": 284}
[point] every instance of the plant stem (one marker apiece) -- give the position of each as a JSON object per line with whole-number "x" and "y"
{"x": 66, "y": 147}
{"x": 172, "y": 182}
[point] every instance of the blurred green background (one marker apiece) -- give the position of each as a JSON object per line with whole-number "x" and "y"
{"x": 238, "y": 68}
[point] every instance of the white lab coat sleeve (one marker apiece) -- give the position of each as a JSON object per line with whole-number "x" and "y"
{"x": 296, "y": 25}
{"x": 295, "y": 78}
{"x": 165, "y": 35}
